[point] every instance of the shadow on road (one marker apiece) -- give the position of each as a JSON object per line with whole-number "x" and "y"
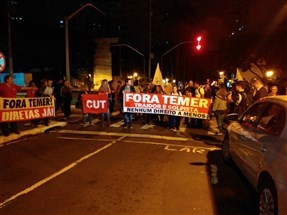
{"x": 232, "y": 193}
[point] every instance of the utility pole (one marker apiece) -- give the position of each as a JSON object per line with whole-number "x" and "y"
{"x": 149, "y": 40}
{"x": 10, "y": 56}
{"x": 67, "y": 18}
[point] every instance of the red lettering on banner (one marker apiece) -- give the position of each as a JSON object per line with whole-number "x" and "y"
{"x": 167, "y": 104}
{"x": 18, "y": 109}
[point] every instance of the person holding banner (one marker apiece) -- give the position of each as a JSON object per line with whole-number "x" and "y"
{"x": 174, "y": 121}
{"x": 105, "y": 89}
{"x": 9, "y": 90}
{"x": 158, "y": 118}
{"x": 128, "y": 88}
{"x": 88, "y": 115}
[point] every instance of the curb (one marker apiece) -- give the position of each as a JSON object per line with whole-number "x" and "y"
{"x": 33, "y": 131}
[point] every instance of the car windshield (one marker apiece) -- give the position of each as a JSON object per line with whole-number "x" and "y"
{"x": 253, "y": 113}
{"x": 272, "y": 119}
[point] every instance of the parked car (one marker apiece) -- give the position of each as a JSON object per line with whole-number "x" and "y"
{"x": 257, "y": 143}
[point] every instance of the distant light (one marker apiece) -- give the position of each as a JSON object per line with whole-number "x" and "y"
{"x": 198, "y": 38}
{"x": 232, "y": 33}
{"x": 269, "y": 74}
{"x": 174, "y": 81}
{"x": 198, "y": 47}
{"x": 61, "y": 21}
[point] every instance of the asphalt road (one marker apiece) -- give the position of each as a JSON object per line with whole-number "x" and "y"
{"x": 101, "y": 170}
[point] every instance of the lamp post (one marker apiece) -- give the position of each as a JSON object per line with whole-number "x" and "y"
{"x": 67, "y": 18}
{"x": 132, "y": 48}
{"x": 179, "y": 44}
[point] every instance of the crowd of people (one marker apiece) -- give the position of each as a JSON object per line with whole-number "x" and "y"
{"x": 225, "y": 100}
{"x": 234, "y": 99}
{"x": 61, "y": 92}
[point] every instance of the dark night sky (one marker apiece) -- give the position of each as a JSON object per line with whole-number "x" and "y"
{"x": 236, "y": 26}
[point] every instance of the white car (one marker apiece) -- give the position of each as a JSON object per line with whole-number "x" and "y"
{"x": 257, "y": 143}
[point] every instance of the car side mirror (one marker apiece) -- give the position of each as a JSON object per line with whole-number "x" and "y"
{"x": 231, "y": 117}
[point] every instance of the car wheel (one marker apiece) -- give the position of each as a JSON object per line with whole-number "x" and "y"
{"x": 268, "y": 199}
{"x": 226, "y": 150}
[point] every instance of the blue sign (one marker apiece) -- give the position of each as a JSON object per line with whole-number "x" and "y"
{"x": 19, "y": 78}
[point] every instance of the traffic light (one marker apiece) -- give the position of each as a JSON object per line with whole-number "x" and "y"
{"x": 198, "y": 39}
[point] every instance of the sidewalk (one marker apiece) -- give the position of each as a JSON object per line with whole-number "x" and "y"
{"x": 26, "y": 129}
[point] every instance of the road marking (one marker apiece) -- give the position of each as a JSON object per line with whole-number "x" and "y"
{"x": 178, "y": 147}
{"x": 80, "y": 138}
{"x": 65, "y": 169}
{"x": 147, "y": 126}
{"x": 117, "y": 124}
{"x": 103, "y": 133}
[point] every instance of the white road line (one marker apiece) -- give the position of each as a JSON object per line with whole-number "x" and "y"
{"x": 147, "y": 126}
{"x": 65, "y": 169}
{"x": 103, "y": 133}
{"x": 81, "y": 138}
{"x": 174, "y": 145}
{"x": 198, "y": 149}
{"x": 117, "y": 124}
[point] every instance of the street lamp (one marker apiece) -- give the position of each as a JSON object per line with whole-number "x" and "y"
{"x": 67, "y": 18}
{"x": 198, "y": 47}
{"x": 132, "y": 48}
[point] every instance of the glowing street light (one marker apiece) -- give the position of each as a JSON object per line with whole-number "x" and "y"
{"x": 269, "y": 74}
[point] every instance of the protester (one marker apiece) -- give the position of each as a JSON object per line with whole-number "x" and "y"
{"x": 198, "y": 93}
{"x": 174, "y": 121}
{"x": 9, "y": 90}
{"x": 273, "y": 91}
{"x": 118, "y": 99}
{"x": 57, "y": 94}
{"x": 220, "y": 107}
{"x": 105, "y": 89}
{"x": 85, "y": 116}
{"x": 128, "y": 117}
{"x": 66, "y": 94}
{"x": 30, "y": 94}
{"x": 112, "y": 96}
{"x": 260, "y": 90}
{"x": 158, "y": 118}
{"x": 168, "y": 87}
{"x": 189, "y": 88}
{"x": 147, "y": 118}
{"x": 239, "y": 97}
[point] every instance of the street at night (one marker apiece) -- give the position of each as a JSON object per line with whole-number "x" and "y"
{"x": 100, "y": 170}
{"x": 143, "y": 107}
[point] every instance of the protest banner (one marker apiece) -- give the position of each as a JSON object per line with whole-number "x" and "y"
{"x": 167, "y": 104}
{"x": 19, "y": 109}
{"x": 95, "y": 103}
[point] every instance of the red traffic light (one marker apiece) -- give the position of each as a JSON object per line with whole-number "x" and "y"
{"x": 198, "y": 39}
